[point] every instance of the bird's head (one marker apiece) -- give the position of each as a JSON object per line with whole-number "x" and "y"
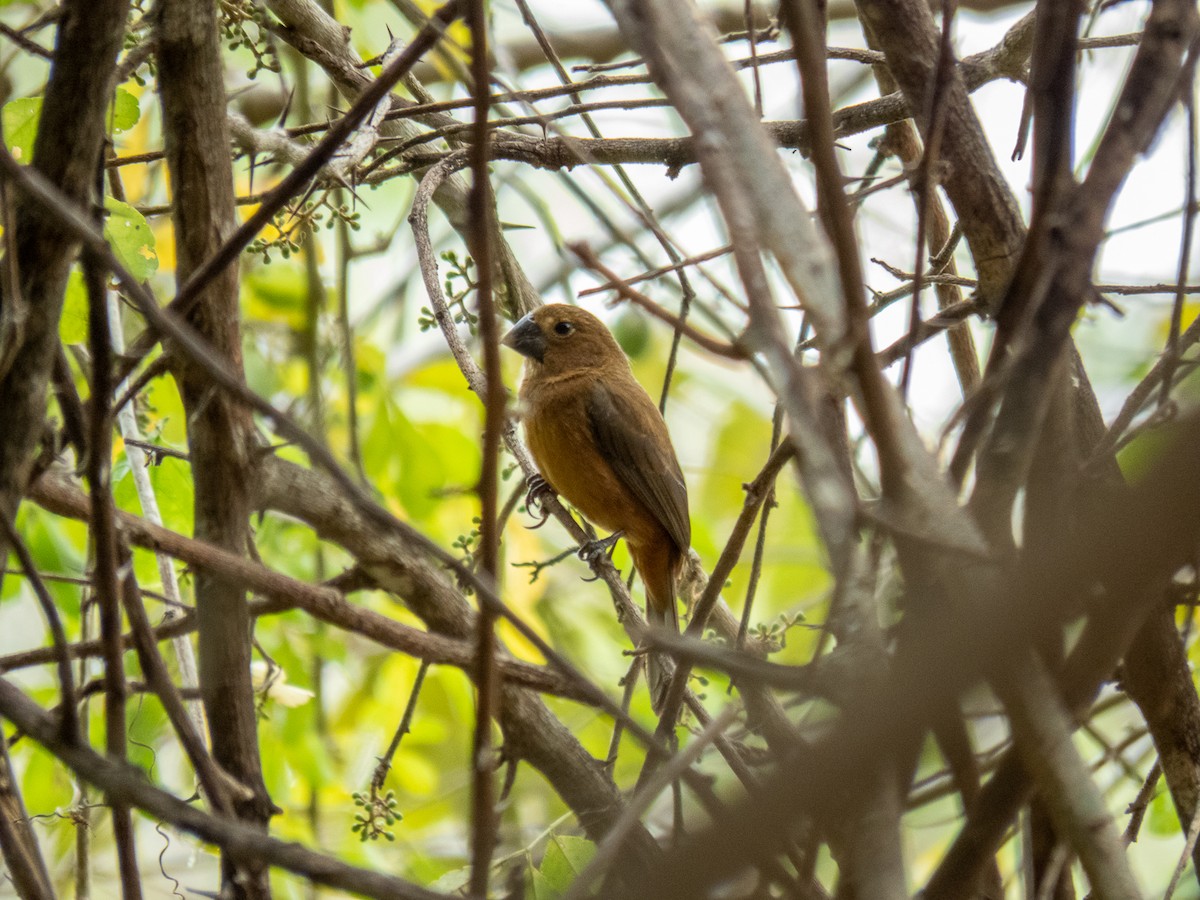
{"x": 562, "y": 338}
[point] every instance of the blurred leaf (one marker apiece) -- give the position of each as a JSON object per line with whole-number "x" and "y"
{"x": 20, "y": 121}
{"x": 632, "y": 332}
{"x": 132, "y": 241}
{"x": 73, "y": 326}
{"x": 454, "y": 880}
{"x": 441, "y": 375}
{"x": 566, "y": 856}
{"x": 414, "y": 458}
{"x": 277, "y": 293}
{"x": 1162, "y": 818}
{"x": 735, "y": 455}
{"x": 1138, "y": 457}
{"x": 174, "y": 489}
{"x": 124, "y": 111}
{"x": 147, "y": 725}
{"x": 172, "y": 483}
{"x": 305, "y": 752}
{"x": 44, "y": 783}
{"x": 540, "y": 887}
{"x": 56, "y": 545}
{"x": 161, "y": 413}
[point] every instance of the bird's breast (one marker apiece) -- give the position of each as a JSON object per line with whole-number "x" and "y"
{"x": 560, "y": 437}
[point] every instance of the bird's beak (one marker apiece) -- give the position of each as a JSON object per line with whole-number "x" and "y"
{"x": 527, "y": 339}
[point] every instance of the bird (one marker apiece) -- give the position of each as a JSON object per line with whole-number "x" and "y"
{"x": 601, "y": 443}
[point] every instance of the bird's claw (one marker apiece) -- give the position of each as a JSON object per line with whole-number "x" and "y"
{"x": 538, "y": 489}
{"x": 591, "y": 552}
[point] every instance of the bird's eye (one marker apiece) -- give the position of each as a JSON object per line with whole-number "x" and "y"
{"x": 563, "y": 328}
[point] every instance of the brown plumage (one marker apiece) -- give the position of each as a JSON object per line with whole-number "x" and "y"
{"x": 600, "y": 442}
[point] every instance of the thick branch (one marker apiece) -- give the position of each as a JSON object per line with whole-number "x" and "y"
{"x": 986, "y": 207}
{"x": 66, "y": 151}
{"x": 192, "y": 91}
{"x": 56, "y": 492}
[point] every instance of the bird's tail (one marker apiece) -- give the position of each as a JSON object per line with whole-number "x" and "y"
{"x": 657, "y": 677}
{"x": 659, "y": 565}
{"x": 660, "y": 614}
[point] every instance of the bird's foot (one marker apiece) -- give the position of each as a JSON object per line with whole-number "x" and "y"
{"x": 591, "y": 552}
{"x": 538, "y": 490}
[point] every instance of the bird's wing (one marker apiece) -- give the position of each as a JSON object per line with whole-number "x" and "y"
{"x": 631, "y": 435}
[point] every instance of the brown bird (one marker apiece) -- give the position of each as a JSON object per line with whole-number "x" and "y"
{"x": 600, "y": 442}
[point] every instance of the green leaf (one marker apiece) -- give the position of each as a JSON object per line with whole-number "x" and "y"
{"x": 566, "y": 856}
{"x": 73, "y": 326}
{"x": 132, "y": 241}
{"x": 20, "y": 120}
{"x": 1138, "y": 458}
{"x": 1163, "y": 819}
{"x": 162, "y": 411}
{"x": 124, "y": 112}
{"x": 540, "y": 888}
{"x": 410, "y": 463}
{"x": 454, "y": 880}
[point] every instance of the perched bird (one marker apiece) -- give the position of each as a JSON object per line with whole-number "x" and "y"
{"x": 600, "y": 442}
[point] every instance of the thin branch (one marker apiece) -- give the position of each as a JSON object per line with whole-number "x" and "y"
{"x": 1171, "y": 353}
{"x": 655, "y": 274}
{"x": 482, "y": 211}
{"x": 926, "y": 178}
{"x": 62, "y": 649}
{"x": 127, "y": 784}
{"x": 379, "y": 776}
{"x": 295, "y": 180}
{"x": 756, "y": 494}
{"x": 733, "y": 350}
{"x": 103, "y": 530}
{"x": 55, "y": 492}
{"x": 646, "y": 793}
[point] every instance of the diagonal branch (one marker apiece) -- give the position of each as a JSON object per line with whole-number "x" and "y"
{"x": 244, "y": 843}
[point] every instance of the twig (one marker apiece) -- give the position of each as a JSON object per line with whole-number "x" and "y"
{"x": 385, "y": 762}
{"x": 643, "y": 797}
{"x": 135, "y": 452}
{"x": 1141, "y": 803}
{"x": 872, "y": 395}
{"x": 346, "y": 346}
{"x": 659, "y": 272}
{"x": 1193, "y": 833}
{"x": 29, "y": 46}
{"x": 1171, "y": 353}
{"x": 729, "y": 351}
{"x": 152, "y": 453}
{"x": 23, "y": 858}
{"x": 55, "y": 493}
{"x": 295, "y": 180}
{"x": 88, "y": 648}
{"x": 103, "y": 530}
{"x": 123, "y": 782}
{"x": 756, "y": 494}
{"x": 156, "y": 367}
{"x": 926, "y": 178}
{"x": 760, "y": 541}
